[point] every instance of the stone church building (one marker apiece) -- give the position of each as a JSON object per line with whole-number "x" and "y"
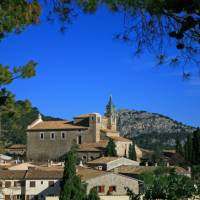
{"x": 50, "y": 140}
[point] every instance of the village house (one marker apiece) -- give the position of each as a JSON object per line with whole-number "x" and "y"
{"x": 50, "y": 140}
{"x": 111, "y": 163}
{"x": 43, "y": 182}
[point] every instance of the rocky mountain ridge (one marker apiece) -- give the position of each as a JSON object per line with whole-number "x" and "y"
{"x": 151, "y": 128}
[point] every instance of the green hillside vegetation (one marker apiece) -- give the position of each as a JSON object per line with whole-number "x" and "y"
{"x": 15, "y": 118}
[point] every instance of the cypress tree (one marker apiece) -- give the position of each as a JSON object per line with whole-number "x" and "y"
{"x": 93, "y": 195}
{"x": 111, "y": 148}
{"x": 188, "y": 149}
{"x": 132, "y": 153}
{"x": 179, "y": 147}
{"x": 71, "y": 186}
{"x": 196, "y": 147}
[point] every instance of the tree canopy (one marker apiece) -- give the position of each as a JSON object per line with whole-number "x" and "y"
{"x": 132, "y": 152}
{"x": 150, "y": 24}
{"x": 165, "y": 183}
{"x": 71, "y": 186}
{"x": 111, "y": 148}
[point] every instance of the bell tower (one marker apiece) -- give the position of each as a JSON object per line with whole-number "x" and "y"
{"x": 111, "y": 115}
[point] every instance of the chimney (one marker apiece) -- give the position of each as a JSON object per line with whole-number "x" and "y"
{"x": 81, "y": 163}
{"x": 39, "y": 116}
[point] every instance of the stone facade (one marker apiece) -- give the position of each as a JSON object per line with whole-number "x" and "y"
{"x": 118, "y": 181}
{"x": 50, "y": 140}
{"x": 40, "y": 183}
{"x": 47, "y": 148}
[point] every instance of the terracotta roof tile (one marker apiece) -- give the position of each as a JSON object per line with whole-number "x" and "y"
{"x": 56, "y": 125}
{"x": 49, "y": 173}
{"x": 88, "y": 173}
{"x": 141, "y": 169}
{"x": 119, "y": 139}
{"x": 108, "y": 131}
{"x": 12, "y": 175}
{"x": 103, "y": 160}
{"x": 44, "y": 173}
{"x": 99, "y": 146}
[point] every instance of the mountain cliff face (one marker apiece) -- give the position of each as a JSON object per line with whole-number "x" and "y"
{"x": 151, "y": 128}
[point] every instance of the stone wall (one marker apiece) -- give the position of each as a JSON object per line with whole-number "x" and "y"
{"x": 122, "y": 148}
{"x": 114, "y": 180}
{"x": 48, "y": 149}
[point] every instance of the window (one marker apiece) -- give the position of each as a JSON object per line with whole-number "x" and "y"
{"x": 62, "y": 135}
{"x": 41, "y": 136}
{"x": 7, "y": 184}
{"x": 52, "y": 136}
{"x": 19, "y": 197}
{"x": 22, "y": 183}
{"x": 32, "y": 183}
{"x": 51, "y": 183}
{"x": 112, "y": 188}
{"x": 101, "y": 189}
{"x": 41, "y": 182}
{"x": 1, "y": 184}
{"x": 17, "y": 184}
{"x": 98, "y": 119}
{"x": 79, "y": 140}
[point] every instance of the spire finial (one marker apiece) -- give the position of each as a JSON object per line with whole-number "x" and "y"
{"x": 39, "y": 116}
{"x": 110, "y": 108}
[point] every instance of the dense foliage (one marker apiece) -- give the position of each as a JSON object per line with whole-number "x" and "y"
{"x": 15, "y": 117}
{"x": 72, "y": 188}
{"x": 151, "y": 24}
{"x": 132, "y": 153}
{"x": 165, "y": 183}
{"x": 111, "y": 148}
{"x": 191, "y": 149}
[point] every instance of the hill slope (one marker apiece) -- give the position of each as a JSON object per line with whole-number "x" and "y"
{"x": 151, "y": 128}
{"x": 15, "y": 121}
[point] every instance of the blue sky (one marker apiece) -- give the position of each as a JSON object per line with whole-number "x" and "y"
{"x": 78, "y": 70}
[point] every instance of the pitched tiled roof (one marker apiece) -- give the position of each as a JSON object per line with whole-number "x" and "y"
{"x": 56, "y": 125}
{"x": 103, "y": 160}
{"x": 99, "y": 146}
{"x": 44, "y": 174}
{"x": 141, "y": 169}
{"x": 88, "y": 173}
{"x": 12, "y": 175}
{"x": 108, "y": 131}
{"x": 119, "y": 139}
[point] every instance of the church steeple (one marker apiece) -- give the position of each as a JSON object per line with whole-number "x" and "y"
{"x": 110, "y": 108}
{"x": 111, "y": 115}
